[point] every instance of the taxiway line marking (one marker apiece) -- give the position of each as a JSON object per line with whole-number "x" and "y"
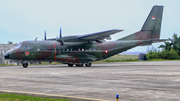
{"x": 51, "y": 95}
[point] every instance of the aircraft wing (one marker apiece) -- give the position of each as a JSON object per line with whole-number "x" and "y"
{"x": 99, "y": 35}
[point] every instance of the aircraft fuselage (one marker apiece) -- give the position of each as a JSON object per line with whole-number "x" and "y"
{"x": 82, "y": 53}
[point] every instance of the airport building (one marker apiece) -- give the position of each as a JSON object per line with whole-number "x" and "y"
{"x": 3, "y": 49}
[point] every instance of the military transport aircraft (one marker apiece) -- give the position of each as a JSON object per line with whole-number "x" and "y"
{"x": 84, "y": 49}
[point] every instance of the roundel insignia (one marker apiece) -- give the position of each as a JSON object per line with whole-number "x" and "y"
{"x": 26, "y": 53}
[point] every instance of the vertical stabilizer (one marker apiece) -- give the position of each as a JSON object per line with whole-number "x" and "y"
{"x": 151, "y": 28}
{"x": 153, "y": 22}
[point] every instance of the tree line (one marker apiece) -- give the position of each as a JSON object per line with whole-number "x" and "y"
{"x": 170, "y": 50}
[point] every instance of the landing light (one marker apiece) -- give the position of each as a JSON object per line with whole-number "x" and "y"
{"x": 106, "y": 51}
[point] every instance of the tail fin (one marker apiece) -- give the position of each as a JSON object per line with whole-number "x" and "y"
{"x": 151, "y": 28}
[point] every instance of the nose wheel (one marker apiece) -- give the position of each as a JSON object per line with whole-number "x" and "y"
{"x": 25, "y": 65}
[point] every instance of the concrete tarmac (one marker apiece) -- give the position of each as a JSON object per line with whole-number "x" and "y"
{"x": 133, "y": 81}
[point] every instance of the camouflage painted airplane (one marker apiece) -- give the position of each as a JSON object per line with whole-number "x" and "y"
{"x": 84, "y": 49}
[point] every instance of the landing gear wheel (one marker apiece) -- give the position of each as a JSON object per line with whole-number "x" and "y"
{"x": 88, "y": 64}
{"x": 70, "y": 65}
{"x": 25, "y": 65}
{"x": 79, "y": 65}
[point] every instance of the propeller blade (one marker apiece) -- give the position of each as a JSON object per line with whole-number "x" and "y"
{"x": 60, "y": 36}
{"x": 35, "y": 39}
{"x": 45, "y": 35}
{"x": 60, "y": 39}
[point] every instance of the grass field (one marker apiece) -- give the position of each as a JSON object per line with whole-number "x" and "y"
{"x": 16, "y": 97}
{"x": 119, "y": 58}
{"x": 123, "y": 57}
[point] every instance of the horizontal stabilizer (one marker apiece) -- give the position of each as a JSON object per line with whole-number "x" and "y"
{"x": 149, "y": 42}
{"x": 159, "y": 40}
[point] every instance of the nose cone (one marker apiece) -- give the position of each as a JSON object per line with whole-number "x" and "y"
{"x": 6, "y": 56}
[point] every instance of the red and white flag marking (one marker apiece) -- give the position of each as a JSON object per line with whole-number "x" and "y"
{"x": 153, "y": 18}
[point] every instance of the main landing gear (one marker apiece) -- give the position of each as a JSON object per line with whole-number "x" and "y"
{"x": 80, "y": 65}
{"x": 25, "y": 65}
{"x": 88, "y": 64}
{"x": 70, "y": 65}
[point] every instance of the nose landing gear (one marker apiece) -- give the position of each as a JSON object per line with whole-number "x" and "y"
{"x": 25, "y": 65}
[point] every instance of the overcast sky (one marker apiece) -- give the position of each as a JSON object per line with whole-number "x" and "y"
{"x": 27, "y": 19}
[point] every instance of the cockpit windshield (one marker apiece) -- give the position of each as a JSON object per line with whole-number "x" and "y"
{"x": 17, "y": 46}
{"x": 23, "y": 46}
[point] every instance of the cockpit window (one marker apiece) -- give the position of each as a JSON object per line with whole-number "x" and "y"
{"x": 24, "y": 46}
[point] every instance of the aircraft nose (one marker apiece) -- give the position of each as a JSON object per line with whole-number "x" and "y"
{"x": 6, "y": 55}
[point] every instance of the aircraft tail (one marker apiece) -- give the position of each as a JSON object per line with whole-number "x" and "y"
{"x": 151, "y": 28}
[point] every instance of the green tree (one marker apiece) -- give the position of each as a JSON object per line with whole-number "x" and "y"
{"x": 170, "y": 50}
{"x": 10, "y": 42}
{"x": 167, "y": 46}
{"x": 176, "y": 43}
{"x": 153, "y": 53}
{"x": 169, "y": 54}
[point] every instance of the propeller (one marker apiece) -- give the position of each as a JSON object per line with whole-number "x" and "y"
{"x": 60, "y": 39}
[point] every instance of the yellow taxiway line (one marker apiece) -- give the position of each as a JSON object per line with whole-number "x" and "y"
{"x": 51, "y": 95}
